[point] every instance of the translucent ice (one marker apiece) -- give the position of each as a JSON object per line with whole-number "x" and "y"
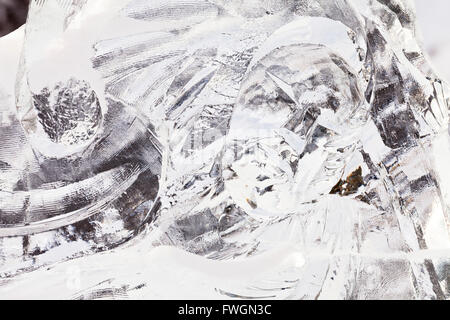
{"x": 252, "y": 149}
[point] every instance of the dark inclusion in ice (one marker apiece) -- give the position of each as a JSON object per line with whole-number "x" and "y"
{"x": 70, "y": 113}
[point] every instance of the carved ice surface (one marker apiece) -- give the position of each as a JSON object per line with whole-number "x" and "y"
{"x": 69, "y": 113}
{"x": 292, "y": 149}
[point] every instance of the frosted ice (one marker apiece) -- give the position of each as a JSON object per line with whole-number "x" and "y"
{"x": 223, "y": 149}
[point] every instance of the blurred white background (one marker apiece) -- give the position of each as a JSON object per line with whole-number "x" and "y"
{"x": 433, "y": 18}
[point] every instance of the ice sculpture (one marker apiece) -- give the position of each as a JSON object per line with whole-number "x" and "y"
{"x": 211, "y": 148}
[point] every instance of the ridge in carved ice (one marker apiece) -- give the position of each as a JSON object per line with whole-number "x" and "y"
{"x": 267, "y": 149}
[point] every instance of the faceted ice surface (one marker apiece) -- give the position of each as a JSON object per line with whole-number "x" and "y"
{"x": 223, "y": 149}
{"x": 69, "y": 112}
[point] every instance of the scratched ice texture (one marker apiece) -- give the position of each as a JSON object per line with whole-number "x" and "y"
{"x": 222, "y": 149}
